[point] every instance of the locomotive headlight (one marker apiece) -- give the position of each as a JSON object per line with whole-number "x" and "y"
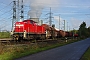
{"x": 12, "y": 32}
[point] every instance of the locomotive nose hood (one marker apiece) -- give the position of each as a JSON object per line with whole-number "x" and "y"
{"x": 19, "y": 27}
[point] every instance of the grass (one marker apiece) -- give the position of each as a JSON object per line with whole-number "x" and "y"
{"x": 86, "y": 55}
{"x": 4, "y": 35}
{"x": 15, "y": 51}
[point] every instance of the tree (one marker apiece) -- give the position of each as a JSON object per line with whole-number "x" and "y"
{"x": 88, "y": 31}
{"x": 83, "y": 30}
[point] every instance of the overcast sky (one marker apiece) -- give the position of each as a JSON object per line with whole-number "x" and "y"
{"x": 74, "y": 12}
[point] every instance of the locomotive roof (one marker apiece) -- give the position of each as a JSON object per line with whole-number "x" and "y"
{"x": 29, "y": 20}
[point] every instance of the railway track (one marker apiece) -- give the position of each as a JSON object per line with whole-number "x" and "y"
{"x": 12, "y": 42}
{"x": 9, "y": 41}
{"x": 5, "y": 40}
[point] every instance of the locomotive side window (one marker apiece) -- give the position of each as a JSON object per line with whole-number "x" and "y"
{"x": 25, "y": 22}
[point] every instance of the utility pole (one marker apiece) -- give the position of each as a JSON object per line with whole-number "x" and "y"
{"x": 50, "y": 18}
{"x": 18, "y": 9}
{"x": 14, "y": 14}
{"x": 67, "y": 26}
{"x": 59, "y": 22}
{"x": 64, "y": 25}
{"x": 64, "y": 30}
{"x": 22, "y": 11}
{"x": 73, "y": 33}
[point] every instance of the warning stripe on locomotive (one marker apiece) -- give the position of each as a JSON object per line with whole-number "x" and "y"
{"x": 19, "y": 25}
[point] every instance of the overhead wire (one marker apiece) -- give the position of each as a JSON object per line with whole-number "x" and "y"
{"x": 6, "y": 6}
{"x": 5, "y": 23}
{"x": 5, "y": 13}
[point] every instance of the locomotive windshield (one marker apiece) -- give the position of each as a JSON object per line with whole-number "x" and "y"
{"x": 31, "y": 22}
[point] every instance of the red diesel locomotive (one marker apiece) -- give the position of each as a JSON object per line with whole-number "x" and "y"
{"x": 28, "y": 29}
